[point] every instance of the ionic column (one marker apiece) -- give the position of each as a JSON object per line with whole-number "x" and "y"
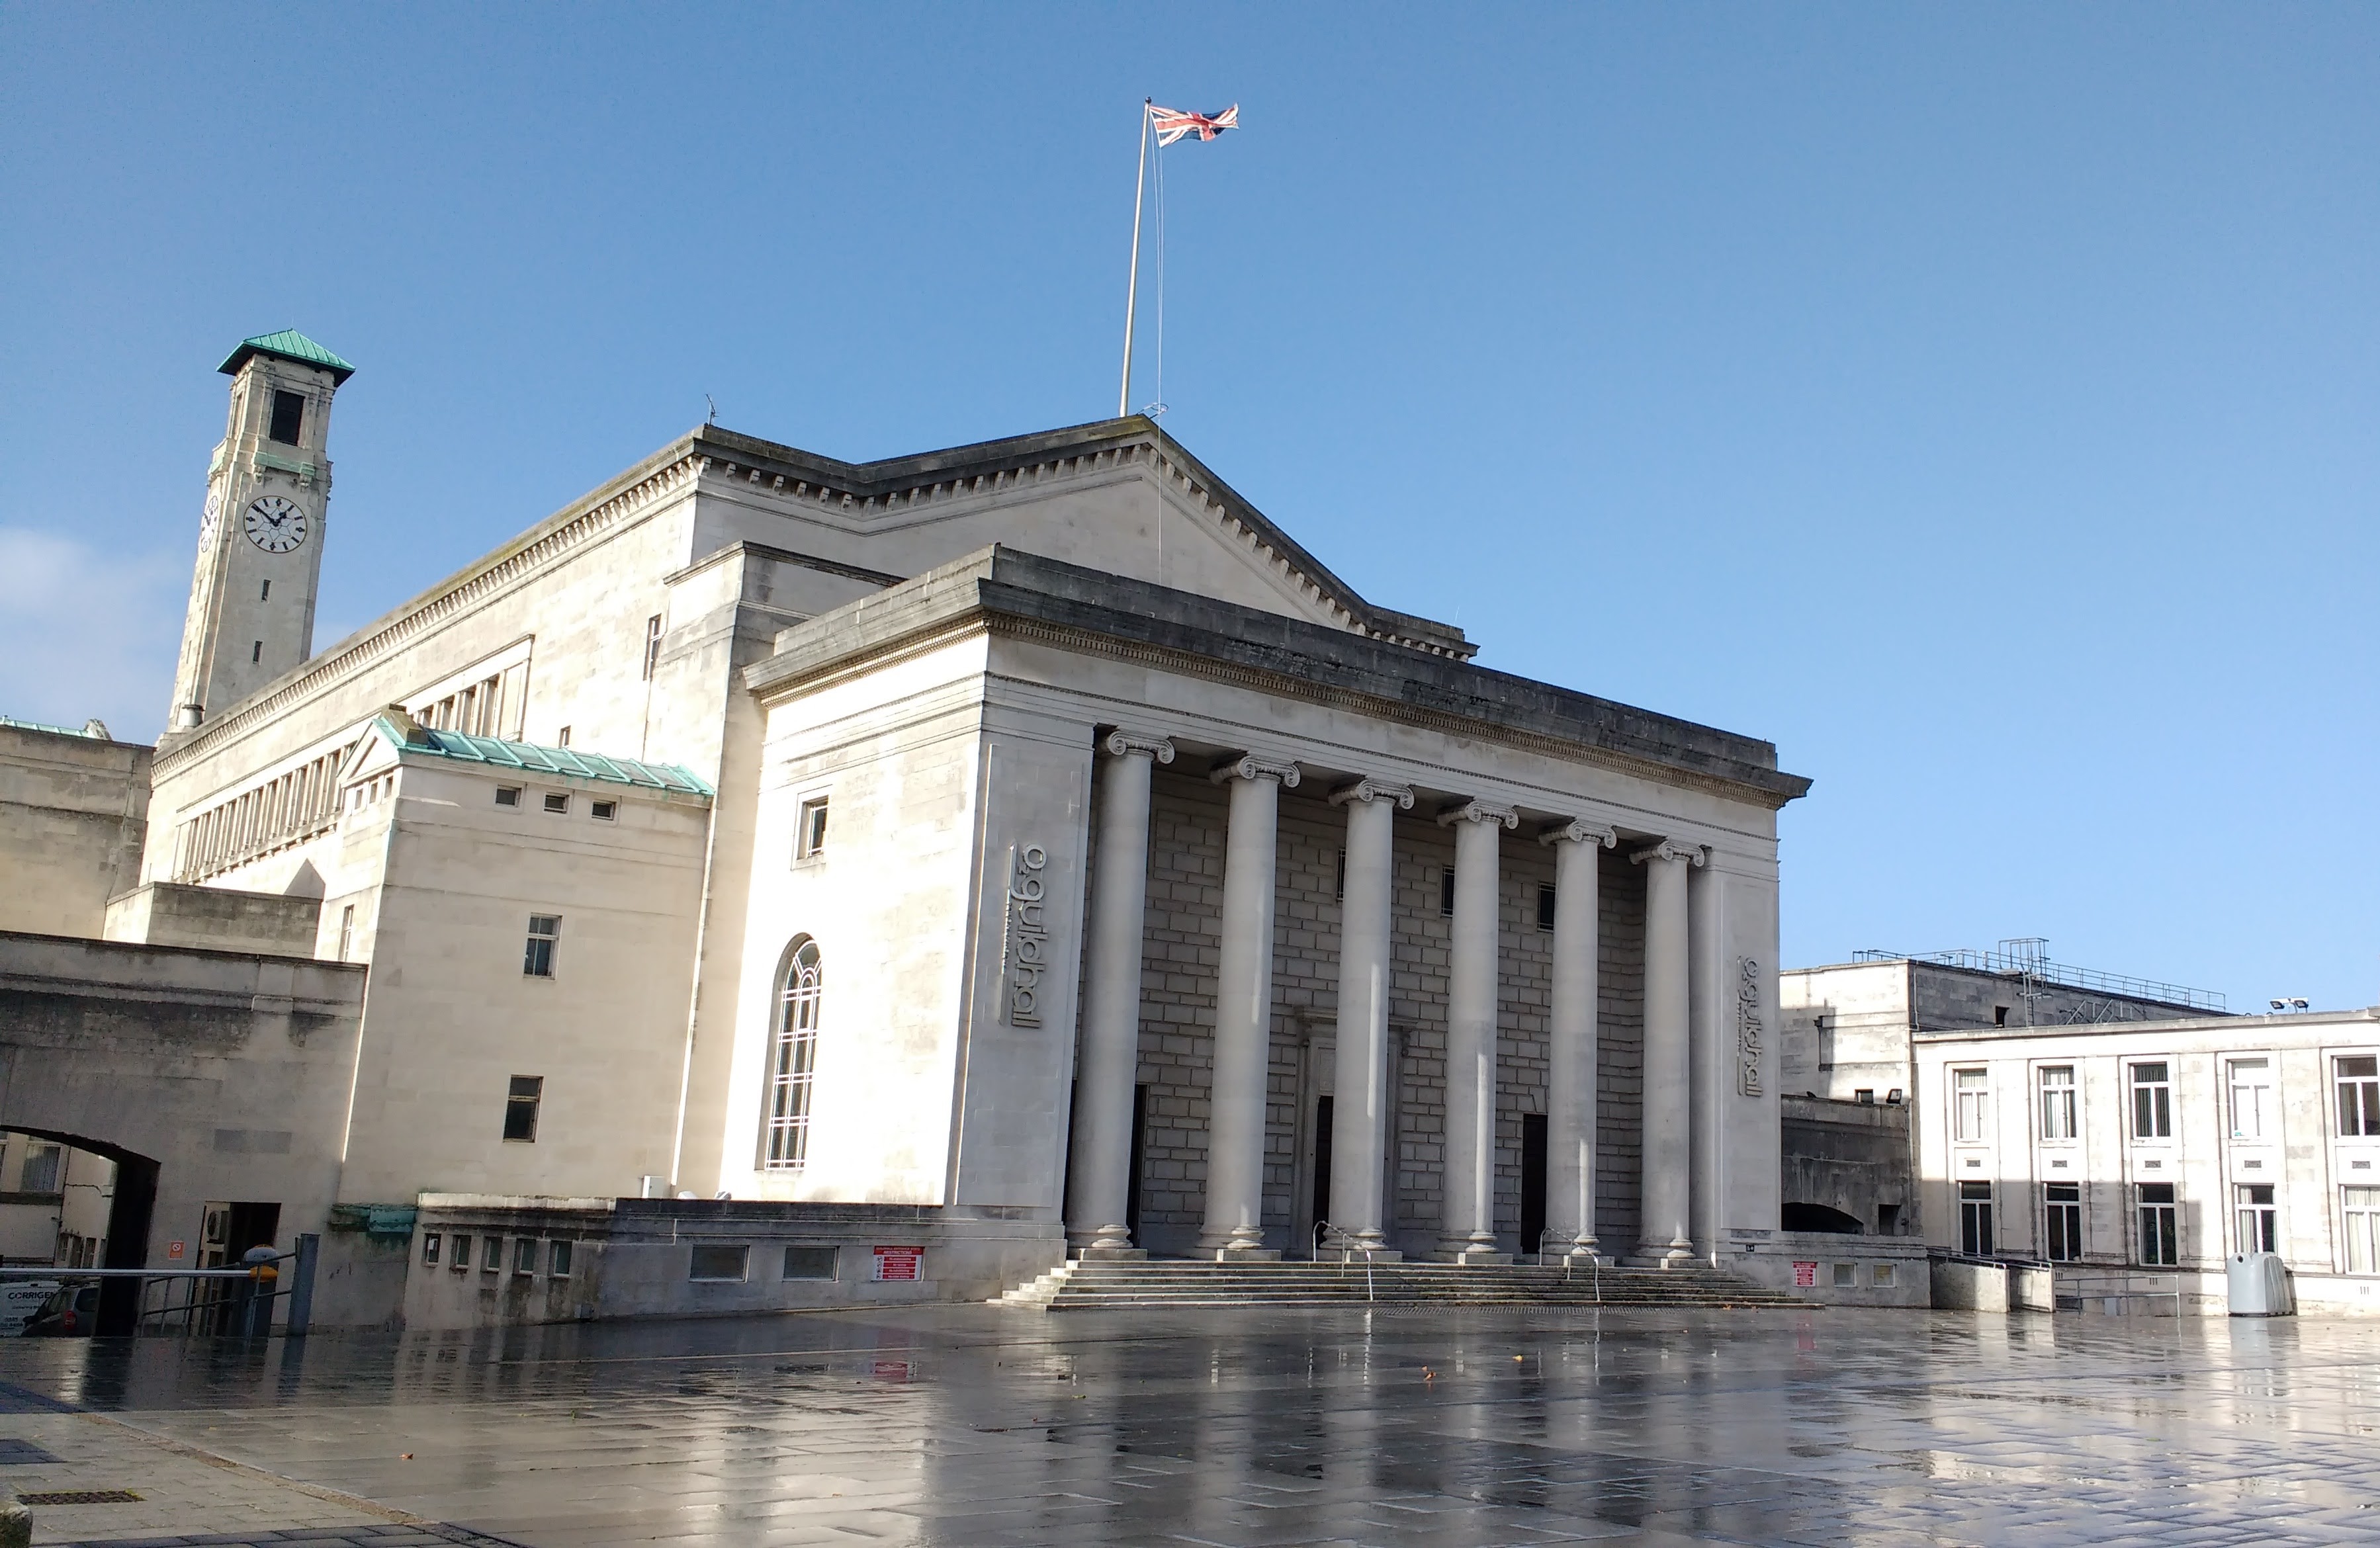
{"x": 1359, "y": 1106}
{"x": 1467, "y": 1229}
{"x": 1571, "y": 1033}
{"x": 1666, "y": 1229}
{"x": 1236, "y": 1125}
{"x": 1099, "y": 1177}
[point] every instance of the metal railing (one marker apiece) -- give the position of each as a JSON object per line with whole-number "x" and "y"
{"x": 235, "y": 1302}
{"x": 2018, "y": 966}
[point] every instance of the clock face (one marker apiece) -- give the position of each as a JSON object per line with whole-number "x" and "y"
{"x": 273, "y": 523}
{"x": 214, "y": 509}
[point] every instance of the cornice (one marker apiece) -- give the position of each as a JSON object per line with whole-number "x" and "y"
{"x": 547, "y": 543}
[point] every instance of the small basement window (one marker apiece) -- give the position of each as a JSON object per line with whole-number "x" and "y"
{"x": 524, "y": 1255}
{"x": 555, "y": 801}
{"x": 809, "y": 1263}
{"x": 492, "y": 1255}
{"x": 721, "y": 1262}
{"x": 557, "y": 1258}
{"x": 603, "y": 811}
{"x": 288, "y": 418}
{"x": 462, "y": 1258}
{"x": 520, "y": 1107}
{"x": 508, "y": 795}
{"x": 1846, "y": 1276}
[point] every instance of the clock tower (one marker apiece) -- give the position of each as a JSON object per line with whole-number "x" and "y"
{"x": 260, "y": 541}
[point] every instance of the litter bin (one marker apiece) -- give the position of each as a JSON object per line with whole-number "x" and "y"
{"x": 2258, "y": 1284}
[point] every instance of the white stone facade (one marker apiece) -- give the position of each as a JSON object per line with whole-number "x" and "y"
{"x": 2256, "y": 1132}
{"x": 1088, "y": 734}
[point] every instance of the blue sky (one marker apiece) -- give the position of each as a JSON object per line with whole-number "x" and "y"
{"x": 1980, "y": 403}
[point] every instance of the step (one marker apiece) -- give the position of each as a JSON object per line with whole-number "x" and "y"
{"x": 1199, "y": 1283}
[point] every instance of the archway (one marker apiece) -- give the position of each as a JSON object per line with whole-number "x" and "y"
{"x": 129, "y": 1214}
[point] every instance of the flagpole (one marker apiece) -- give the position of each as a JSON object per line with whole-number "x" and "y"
{"x": 1132, "y": 289}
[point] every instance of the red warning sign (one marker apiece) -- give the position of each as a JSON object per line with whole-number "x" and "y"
{"x": 1805, "y": 1276}
{"x": 899, "y": 1262}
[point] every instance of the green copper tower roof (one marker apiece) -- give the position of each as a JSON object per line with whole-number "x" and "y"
{"x": 290, "y": 344}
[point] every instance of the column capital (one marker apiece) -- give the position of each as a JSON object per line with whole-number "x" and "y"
{"x": 1374, "y": 790}
{"x": 1121, "y": 742}
{"x": 1672, "y": 848}
{"x": 1255, "y": 765}
{"x": 1477, "y": 811}
{"x": 1578, "y": 830}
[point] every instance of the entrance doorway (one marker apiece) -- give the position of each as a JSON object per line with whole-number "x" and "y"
{"x": 1533, "y": 1182}
{"x": 1321, "y": 1211}
{"x": 1132, "y": 1177}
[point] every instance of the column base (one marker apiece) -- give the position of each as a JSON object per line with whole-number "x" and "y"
{"x": 1242, "y": 1254}
{"x": 1098, "y": 1254}
{"x": 1663, "y": 1254}
{"x": 1333, "y": 1254}
{"x": 1473, "y": 1257}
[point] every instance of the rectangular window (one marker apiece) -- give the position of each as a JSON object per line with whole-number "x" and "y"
{"x": 524, "y": 1255}
{"x": 809, "y": 1263}
{"x": 2251, "y": 1097}
{"x": 1846, "y": 1275}
{"x": 462, "y": 1258}
{"x": 809, "y": 830}
{"x": 2359, "y": 1096}
{"x": 562, "y": 737}
{"x": 2058, "y": 1113}
{"x": 520, "y": 1107}
{"x": 2062, "y": 1209}
{"x": 545, "y": 936}
{"x": 1446, "y": 892}
{"x": 720, "y": 1260}
{"x": 1881, "y": 1275}
{"x": 1970, "y": 1090}
{"x": 43, "y": 1164}
{"x": 264, "y": 593}
{"x": 1339, "y": 889}
{"x": 1544, "y": 906}
{"x": 508, "y": 795}
{"x": 2258, "y": 1219}
{"x": 491, "y": 1254}
{"x": 430, "y": 1246}
{"x": 256, "y": 653}
{"x": 288, "y": 418}
{"x": 1976, "y": 1237}
{"x": 556, "y": 802}
{"x": 2152, "y": 1102}
{"x": 2000, "y": 1015}
{"x": 603, "y": 811}
{"x": 346, "y": 931}
{"x": 2160, "y": 1225}
{"x": 2363, "y": 1205}
{"x": 557, "y": 1258}
{"x": 653, "y": 645}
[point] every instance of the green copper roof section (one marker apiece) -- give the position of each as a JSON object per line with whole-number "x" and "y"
{"x": 290, "y": 344}
{"x": 533, "y": 759}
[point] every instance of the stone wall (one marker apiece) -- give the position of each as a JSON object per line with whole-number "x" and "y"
{"x": 74, "y": 813}
{"x": 1185, "y": 887}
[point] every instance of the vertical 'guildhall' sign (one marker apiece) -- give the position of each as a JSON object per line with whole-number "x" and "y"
{"x": 1027, "y": 953}
{"x": 1747, "y": 1025}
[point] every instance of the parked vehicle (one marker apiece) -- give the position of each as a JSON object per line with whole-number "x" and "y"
{"x": 71, "y": 1311}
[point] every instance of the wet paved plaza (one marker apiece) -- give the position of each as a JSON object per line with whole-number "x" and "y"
{"x": 982, "y": 1426}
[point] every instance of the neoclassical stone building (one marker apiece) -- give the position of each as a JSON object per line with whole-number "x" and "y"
{"x": 989, "y": 850}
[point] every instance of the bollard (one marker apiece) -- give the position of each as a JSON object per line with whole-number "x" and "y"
{"x": 302, "y": 1287}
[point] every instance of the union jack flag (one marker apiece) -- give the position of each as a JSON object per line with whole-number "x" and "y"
{"x": 1171, "y": 123}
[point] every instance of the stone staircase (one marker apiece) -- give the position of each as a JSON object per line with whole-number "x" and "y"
{"x": 1075, "y": 1286}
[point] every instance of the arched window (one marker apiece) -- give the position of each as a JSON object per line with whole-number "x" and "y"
{"x": 793, "y": 1061}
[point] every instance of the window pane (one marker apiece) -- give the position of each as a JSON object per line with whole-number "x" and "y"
{"x": 809, "y": 1263}
{"x": 719, "y": 1261}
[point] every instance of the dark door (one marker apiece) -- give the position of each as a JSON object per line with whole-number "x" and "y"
{"x": 1321, "y": 1165}
{"x": 1131, "y": 1176}
{"x": 128, "y": 1243}
{"x": 1533, "y": 1181}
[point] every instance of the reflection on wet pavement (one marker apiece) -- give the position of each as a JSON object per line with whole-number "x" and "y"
{"x": 981, "y": 1426}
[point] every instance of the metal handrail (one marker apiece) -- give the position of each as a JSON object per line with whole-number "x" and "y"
{"x": 1321, "y": 1228}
